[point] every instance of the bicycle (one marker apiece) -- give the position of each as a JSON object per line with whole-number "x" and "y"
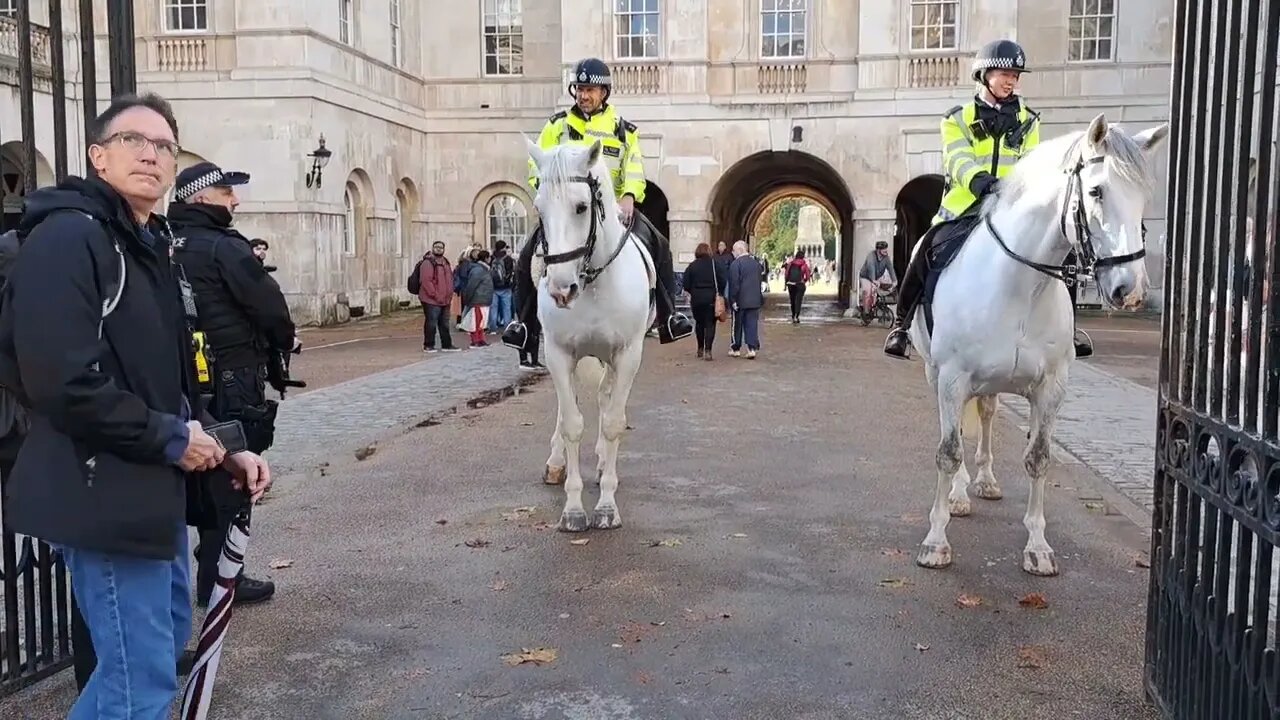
{"x": 883, "y": 310}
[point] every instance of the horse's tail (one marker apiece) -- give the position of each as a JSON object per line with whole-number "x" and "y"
{"x": 589, "y": 372}
{"x": 971, "y": 421}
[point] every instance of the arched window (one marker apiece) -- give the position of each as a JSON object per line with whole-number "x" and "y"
{"x": 349, "y": 205}
{"x": 400, "y": 228}
{"x": 508, "y": 220}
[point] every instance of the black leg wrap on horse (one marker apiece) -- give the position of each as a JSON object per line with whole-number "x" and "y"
{"x": 525, "y": 297}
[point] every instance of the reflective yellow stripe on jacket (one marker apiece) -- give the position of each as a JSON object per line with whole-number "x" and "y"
{"x": 618, "y": 138}
{"x": 964, "y": 156}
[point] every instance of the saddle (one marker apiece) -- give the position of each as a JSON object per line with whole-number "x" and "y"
{"x": 941, "y": 243}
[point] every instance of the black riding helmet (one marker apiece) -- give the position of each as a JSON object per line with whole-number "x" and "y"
{"x": 591, "y": 71}
{"x": 999, "y": 55}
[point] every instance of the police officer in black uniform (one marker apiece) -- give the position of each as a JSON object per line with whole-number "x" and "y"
{"x": 244, "y": 321}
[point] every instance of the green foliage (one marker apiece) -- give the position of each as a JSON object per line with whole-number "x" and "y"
{"x": 776, "y": 229}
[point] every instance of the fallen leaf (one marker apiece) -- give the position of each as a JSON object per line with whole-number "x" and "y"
{"x": 738, "y": 535}
{"x": 921, "y": 648}
{"x": 477, "y": 543}
{"x": 1031, "y": 656}
{"x": 892, "y": 552}
{"x": 616, "y": 645}
{"x": 671, "y": 542}
{"x": 526, "y": 424}
{"x": 659, "y": 623}
{"x": 684, "y": 401}
{"x": 442, "y": 521}
{"x": 281, "y": 564}
{"x": 519, "y": 512}
{"x": 726, "y": 616}
{"x": 1035, "y": 601}
{"x": 892, "y": 582}
{"x": 498, "y": 585}
{"x": 968, "y": 601}
{"x": 1094, "y": 506}
{"x": 364, "y": 452}
{"x": 580, "y": 541}
{"x": 537, "y": 656}
{"x": 1142, "y": 562}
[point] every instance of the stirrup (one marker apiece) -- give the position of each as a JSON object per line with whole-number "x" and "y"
{"x": 676, "y": 327}
{"x": 1082, "y": 343}
{"x": 516, "y": 335}
{"x": 898, "y": 343}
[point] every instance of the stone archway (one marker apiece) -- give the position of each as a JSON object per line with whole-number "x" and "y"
{"x": 917, "y": 202}
{"x": 754, "y": 183}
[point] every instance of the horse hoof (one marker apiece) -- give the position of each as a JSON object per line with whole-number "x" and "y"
{"x": 606, "y": 518}
{"x": 1040, "y": 563}
{"x": 960, "y": 508}
{"x": 554, "y": 475}
{"x": 988, "y": 491}
{"x": 934, "y": 556}
{"x": 574, "y": 522}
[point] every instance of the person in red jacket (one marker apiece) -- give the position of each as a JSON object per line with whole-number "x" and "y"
{"x": 796, "y": 273}
{"x": 435, "y": 292}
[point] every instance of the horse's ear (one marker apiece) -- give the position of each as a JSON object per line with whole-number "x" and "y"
{"x": 1097, "y": 130}
{"x": 594, "y": 155}
{"x": 1152, "y": 137}
{"x": 535, "y": 152}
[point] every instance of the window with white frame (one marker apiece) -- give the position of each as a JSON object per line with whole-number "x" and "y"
{"x": 186, "y": 15}
{"x": 934, "y": 25}
{"x": 783, "y": 28}
{"x": 9, "y": 8}
{"x": 396, "y": 57}
{"x": 1091, "y": 30}
{"x": 637, "y": 27}
{"x": 346, "y": 21}
{"x": 503, "y": 38}
{"x": 349, "y": 219}
{"x": 508, "y": 221}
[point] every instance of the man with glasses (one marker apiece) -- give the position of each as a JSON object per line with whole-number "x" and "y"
{"x": 95, "y": 341}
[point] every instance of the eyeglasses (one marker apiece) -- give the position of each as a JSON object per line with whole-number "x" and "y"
{"x": 137, "y": 143}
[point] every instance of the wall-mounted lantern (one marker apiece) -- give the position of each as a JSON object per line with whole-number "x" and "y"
{"x": 319, "y": 158}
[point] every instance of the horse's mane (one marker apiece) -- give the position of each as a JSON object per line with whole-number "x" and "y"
{"x": 1124, "y": 159}
{"x": 559, "y": 167}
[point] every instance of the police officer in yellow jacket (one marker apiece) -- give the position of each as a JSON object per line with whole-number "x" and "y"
{"x": 592, "y": 118}
{"x": 981, "y": 143}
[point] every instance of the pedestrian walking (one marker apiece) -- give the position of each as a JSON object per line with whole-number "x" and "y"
{"x": 746, "y": 297}
{"x": 705, "y": 285}
{"x": 796, "y": 273}
{"x": 477, "y": 296}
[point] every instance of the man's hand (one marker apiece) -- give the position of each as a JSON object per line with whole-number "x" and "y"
{"x": 203, "y": 451}
{"x": 249, "y": 472}
{"x": 626, "y": 206}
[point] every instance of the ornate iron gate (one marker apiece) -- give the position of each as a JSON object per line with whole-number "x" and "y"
{"x": 39, "y": 615}
{"x": 1215, "y": 574}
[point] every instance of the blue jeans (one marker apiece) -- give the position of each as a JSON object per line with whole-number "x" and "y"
{"x": 139, "y": 616}
{"x": 500, "y": 309}
{"x": 746, "y": 322}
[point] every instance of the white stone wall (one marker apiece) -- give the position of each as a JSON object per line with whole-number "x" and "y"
{"x": 257, "y": 89}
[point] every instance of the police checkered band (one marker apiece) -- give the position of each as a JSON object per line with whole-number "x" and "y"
{"x": 207, "y": 180}
{"x": 998, "y": 63}
{"x": 586, "y": 79}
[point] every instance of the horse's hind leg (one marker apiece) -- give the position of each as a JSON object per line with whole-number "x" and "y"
{"x": 986, "y": 486}
{"x": 935, "y": 551}
{"x": 1038, "y": 558}
{"x": 613, "y": 423}
{"x": 604, "y": 398}
{"x": 554, "y": 472}
{"x": 570, "y": 428}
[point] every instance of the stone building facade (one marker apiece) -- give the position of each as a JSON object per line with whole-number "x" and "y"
{"x": 738, "y": 103}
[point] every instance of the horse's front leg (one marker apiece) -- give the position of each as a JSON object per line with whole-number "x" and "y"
{"x": 935, "y": 551}
{"x": 613, "y": 423}
{"x": 986, "y": 486}
{"x": 1038, "y": 558}
{"x": 569, "y": 427}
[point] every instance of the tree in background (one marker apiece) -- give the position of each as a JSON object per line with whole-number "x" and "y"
{"x": 775, "y": 230}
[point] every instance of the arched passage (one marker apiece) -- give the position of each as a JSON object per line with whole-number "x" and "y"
{"x": 14, "y": 175}
{"x": 655, "y": 207}
{"x": 915, "y": 206}
{"x": 754, "y": 183}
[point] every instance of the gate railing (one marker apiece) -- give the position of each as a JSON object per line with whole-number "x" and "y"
{"x": 1215, "y": 573}
{"x": 38, "y": 618}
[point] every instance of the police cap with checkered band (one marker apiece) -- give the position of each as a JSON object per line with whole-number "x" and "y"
{"x": 999, "y": 55}
{"x": 591, "y": 71}
{"x": 202, "y": 176}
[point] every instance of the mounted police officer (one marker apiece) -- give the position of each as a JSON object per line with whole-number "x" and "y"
{"x": 243, "y": 321}
{"x": 981, "y": 143}
{"x": 592, "y": 118}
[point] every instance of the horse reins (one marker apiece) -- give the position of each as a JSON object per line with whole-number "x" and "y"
{"x": 1089, "y": 260}
{"x": 589, "y": 272}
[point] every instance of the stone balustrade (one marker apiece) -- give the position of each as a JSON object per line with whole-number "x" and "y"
{"x": 637, "y": 78}
{"x": 39, "y": 41}
{"x": 182, "y": 53}
{"x": 782, "y": 79}
{"x": 931, "y": 71}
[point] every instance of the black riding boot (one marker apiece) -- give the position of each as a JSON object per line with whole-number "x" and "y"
{"x": 908, "y": 295}
{"x": 672, "y": 325}
{"x": 1084, "y": 346}
{"x": 525, "y": 297}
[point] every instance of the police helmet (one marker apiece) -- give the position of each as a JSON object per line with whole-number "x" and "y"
{"x": 591, "y": 71}
{"x": 999, "y": 55}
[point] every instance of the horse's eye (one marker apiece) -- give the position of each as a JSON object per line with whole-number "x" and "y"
{"x": 581, "y": 208}
{"x": 1096, "y": 192}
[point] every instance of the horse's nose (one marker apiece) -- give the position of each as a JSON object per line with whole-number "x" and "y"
{"x": 564, "y": 295}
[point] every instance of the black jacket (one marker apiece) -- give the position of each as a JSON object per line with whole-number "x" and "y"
{"x": 98, "y": 468}
{"x": 703, "y": 280}
{"x": 242, "y": 311}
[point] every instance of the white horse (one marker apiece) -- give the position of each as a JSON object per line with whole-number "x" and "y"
{"x": 594, "y": 307}
{"x": 1002, "y": 319}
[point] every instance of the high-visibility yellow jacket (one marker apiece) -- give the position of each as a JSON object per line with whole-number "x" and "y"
{"x": 618, "y": 138}
{"x": 964, "y": 155}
